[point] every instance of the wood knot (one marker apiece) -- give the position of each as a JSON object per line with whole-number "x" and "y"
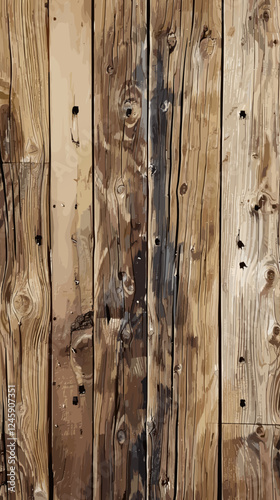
{"x": 260, "y": 431}
{"x": 126, "y": 333}
{"x": 121, "y": 436}
{"x": 183, "y": 189}
{"x": 130, "y": 107}
{"x": 178, "y": 369}
{"x": 120, "y": 188}
{"x": 266, "y": 16}
{"x": 165, "y": 482}
{"x": 22, "y": 304}
{"x": 110, "y": 70}
{"x": 171, "y": 41}
{"x": 276, "y": 330}
{"x": 207, "y": 47}
{"x": 270, "y": 276}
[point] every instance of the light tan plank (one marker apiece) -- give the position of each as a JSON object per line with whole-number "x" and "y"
{"x": 72, "y": 243}
{"x": 251, "y": 462}
{"x": 250, "y": 216}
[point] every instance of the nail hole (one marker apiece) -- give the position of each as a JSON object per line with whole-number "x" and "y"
{"x": 76, "y": 206}
{"x": 242, "y": 114}
{"x": 257, "y": 207}
{"x": 242, "y": 403}
{"x": 54, "y": 318}
{"x": 240, "y": 244}
{"x": 242, "y": 265}
{"x": 38, "y": 239}
{"x": 75, "y": 110}
{"x": 82, "y": 389}
{"x": 108, "y": 316}
{"x": 54, "y": 206}
{"x": 128, "y": 112}
{"x": 241, "y": 359}
{"x": 157, "y": 241}
{"x": 75, "y": 400}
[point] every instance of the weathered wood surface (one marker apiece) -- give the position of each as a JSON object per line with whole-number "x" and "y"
{"x": 72, "y": 245}
{"x": 24, "y": 244}
{"x": 110, "y": 320}
{"x": 183, "y": 283}
{"x": 120, "y": 225}
{"x": 250, "y": 250}
{"x": 251, "y": 462}
{"x": 250, "y": 216}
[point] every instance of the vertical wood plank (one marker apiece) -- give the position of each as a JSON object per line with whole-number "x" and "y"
{"x": 24, "y": 104}
{"x": 120, "y": 192}
{"x": 183, "y": 276}
{"x": 250, "y": 215}
{"x": 72, "y": 243}
{"x": 24, "y": 321}
{"x": 251, "y": 461}
{"x": 24, "y": 243}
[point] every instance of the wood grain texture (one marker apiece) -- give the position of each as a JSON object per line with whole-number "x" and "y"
{"x": 25, "y": 320}
{"x": 251, "y": 462}
{"x": 183, "y": 278}
{"x": 24, "y": 116}
{"x": 250, "y": 215}
{"x": 72, "y": 247}
{"x": 120, "y": 193}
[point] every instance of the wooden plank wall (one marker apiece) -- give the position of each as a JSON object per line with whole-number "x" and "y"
{"x": 139, "y": 249}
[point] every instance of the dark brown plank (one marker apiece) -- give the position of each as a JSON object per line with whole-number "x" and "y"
{"x": 120, "y": 193}
{"x": 183, "y": 282}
